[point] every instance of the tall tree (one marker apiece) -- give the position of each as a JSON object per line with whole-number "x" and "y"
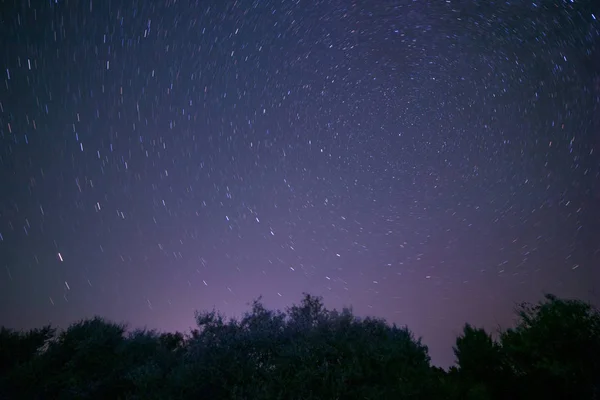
{"x": 480, "y": 365}
{"x": 555, "y": 349}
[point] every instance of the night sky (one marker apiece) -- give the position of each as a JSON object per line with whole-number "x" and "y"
{"x": 429, "y": 162}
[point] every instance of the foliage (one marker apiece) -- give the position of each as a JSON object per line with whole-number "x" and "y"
{"x": 554, "y": 350}
{"x": 306, "y": 352}
{"x": 17, "y": 348}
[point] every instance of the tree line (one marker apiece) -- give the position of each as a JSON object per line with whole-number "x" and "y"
{"x": 307, "y": 352}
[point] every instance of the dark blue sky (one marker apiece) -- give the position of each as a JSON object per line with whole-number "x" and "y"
{"x": 428, "y": 162}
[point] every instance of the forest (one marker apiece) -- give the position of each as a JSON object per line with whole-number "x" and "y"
{"x": 307, "y": 352}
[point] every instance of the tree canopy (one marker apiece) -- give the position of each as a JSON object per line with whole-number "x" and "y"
{"x": 306, "y": 352}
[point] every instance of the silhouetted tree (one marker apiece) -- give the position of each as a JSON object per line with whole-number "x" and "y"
{"x": 481, "y": 369}
{"x": 554, "y": 350}
{"x": 20, "y": 347}
{"x": 307, "y": 352}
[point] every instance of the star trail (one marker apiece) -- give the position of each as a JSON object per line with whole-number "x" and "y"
{"x": 429, "y": 162}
